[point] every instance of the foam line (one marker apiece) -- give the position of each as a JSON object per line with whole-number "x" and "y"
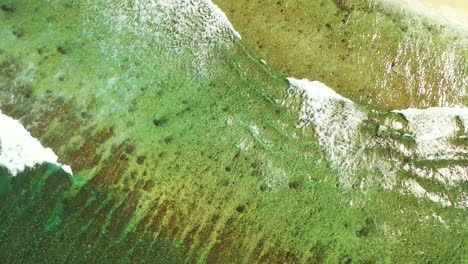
{"x": 19, "y": 150}
{"x": 433, "y": 127}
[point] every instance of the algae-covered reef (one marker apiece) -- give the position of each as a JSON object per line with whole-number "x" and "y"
{"x": 365, "y": 49}
{"x": 186, "y": 147}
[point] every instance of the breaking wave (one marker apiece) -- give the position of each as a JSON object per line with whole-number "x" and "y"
{"x": 439, "y": 134}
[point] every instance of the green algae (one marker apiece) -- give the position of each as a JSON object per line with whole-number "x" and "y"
{"x": 223, "y": 178}
{"x": 47, "y": 239}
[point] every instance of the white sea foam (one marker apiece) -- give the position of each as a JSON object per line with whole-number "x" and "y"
{"x": 451, "y": 175}
{"x": 223, "y": 18}
{"x": 415, "y": 188}
{"x": 197, "y": 25}
{"x": 335, "y": 120}
{"x": 19, "y": 150}
{"x": 433, "y": 128}
{"x": 317, "y": 91}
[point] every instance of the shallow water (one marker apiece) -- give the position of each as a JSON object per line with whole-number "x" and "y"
{"x": 187, "y": 147}
{"x": 460, "y": 6}
{"x": 415, "y": 62}
{"x": 450, "y": 12}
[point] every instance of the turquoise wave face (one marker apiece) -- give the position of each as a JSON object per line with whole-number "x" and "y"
{"x": 186, "y": 147}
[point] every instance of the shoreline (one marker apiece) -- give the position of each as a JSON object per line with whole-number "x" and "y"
{"x": 452, "y": 13}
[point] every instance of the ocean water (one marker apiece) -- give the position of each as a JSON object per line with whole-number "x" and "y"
{"x": 376, "y": 53}
{"x": 450, "y": 12}
{"x": 186, "y": 146}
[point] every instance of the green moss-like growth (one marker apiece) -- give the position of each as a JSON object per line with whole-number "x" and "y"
{"x": 226, "y": 176}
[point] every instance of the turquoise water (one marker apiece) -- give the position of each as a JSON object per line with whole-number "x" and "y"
{"x": 185, "y": 148}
